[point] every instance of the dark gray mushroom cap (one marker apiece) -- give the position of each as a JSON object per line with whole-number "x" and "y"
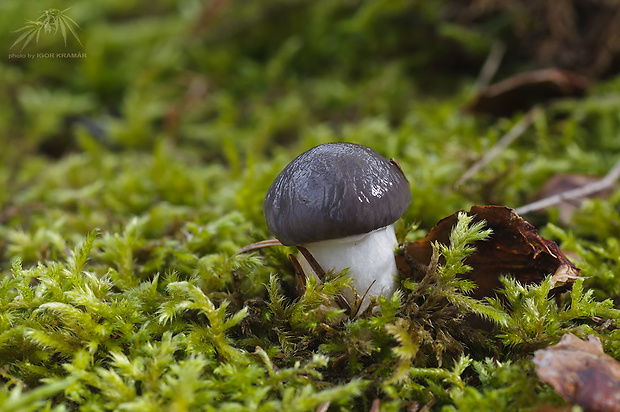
{"x": 335, "y": 190}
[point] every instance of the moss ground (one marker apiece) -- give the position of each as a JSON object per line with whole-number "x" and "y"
{"x": 132, "y": 175}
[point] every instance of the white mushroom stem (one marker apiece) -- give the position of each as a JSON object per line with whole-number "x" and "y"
{"x": 369, "y": 257}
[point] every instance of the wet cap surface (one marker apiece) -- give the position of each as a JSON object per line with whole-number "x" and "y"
{"x": 335, "y": 190}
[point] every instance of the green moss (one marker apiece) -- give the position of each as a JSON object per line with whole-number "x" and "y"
{"x": 130, "y": 179}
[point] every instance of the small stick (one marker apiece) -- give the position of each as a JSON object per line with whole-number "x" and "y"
{"x": 395, "y": 163}
{"x": 259, "y": 245}
{"x": 342, "y": 302}
{"x": 301, "y": 276}
{"x": 491, "y": 64}
{"x": 362, "y": 299}
{"x": 323, "y": 407}
{"x": 427, "y": 407}
{"x": 320, "y": 272}
{"x": 583, "y": 191}
{"x": 296, "y": 265}
{"x": 517, "y": 130}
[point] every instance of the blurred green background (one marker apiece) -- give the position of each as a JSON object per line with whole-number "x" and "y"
{"x": 236, "y": 83}
{"x": 168, "y": 121}
{"x": 180, "y": 110}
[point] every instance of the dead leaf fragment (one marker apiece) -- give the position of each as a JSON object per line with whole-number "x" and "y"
{"x": 524, "y": 90}
{"x": 514, "y": 248}
{"x": 564, "y": 274}
{"x": 581, "y": 373}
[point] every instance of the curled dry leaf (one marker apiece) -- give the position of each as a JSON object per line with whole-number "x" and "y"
{"x": 514, "y": 248}
{"x": 524, "y": 90}
{"x": 581, "y": 373}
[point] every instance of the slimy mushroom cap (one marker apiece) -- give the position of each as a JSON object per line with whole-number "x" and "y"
{"x": 335, "y": 190}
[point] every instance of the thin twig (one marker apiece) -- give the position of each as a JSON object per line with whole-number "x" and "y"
{"x": 517, "y": 130}
{"x": 299, "y": 272}
{"x": 583, "y": 191}
{"x": 323, "y": 407}
{"x": 314, "y": 264}
{"x": 320, "y": 273}
{"x": 491, "y": 64}
{"x": 362, "y": 300}
{"x": 343, "y": 304}
{"x": 258, "y": 245}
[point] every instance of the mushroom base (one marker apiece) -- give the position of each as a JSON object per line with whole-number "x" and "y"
{"x": 369, "y": 257}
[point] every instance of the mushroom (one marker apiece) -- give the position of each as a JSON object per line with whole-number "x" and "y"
{"x": 339, "y": 201}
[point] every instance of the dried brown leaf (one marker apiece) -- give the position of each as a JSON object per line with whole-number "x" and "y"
{"x": 514, "y": 248}
{"x": 581, "y": 373}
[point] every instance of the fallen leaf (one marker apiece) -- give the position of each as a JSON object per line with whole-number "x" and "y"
{"x": 551, "y": 408}
{"x": 581, "y": 373}
{"x": 514, "y": 248}
{"x": 524, "y": 90}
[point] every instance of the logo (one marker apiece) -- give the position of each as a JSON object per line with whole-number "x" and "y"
{"x": 50, "y": 22}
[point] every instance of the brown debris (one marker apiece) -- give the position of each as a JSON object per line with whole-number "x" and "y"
{"x": 259, "y": 245}
{"x": 514, "y": 248}
{"x": 567, "y": 192}
{"x": 524, "y": 90}
{"x": 323, "y": 407}
{"x": 581, "y": 373}
{"x": 551, "y": 408}
{"x": 562, "y": 183}
{"x": 576, "y": 35}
